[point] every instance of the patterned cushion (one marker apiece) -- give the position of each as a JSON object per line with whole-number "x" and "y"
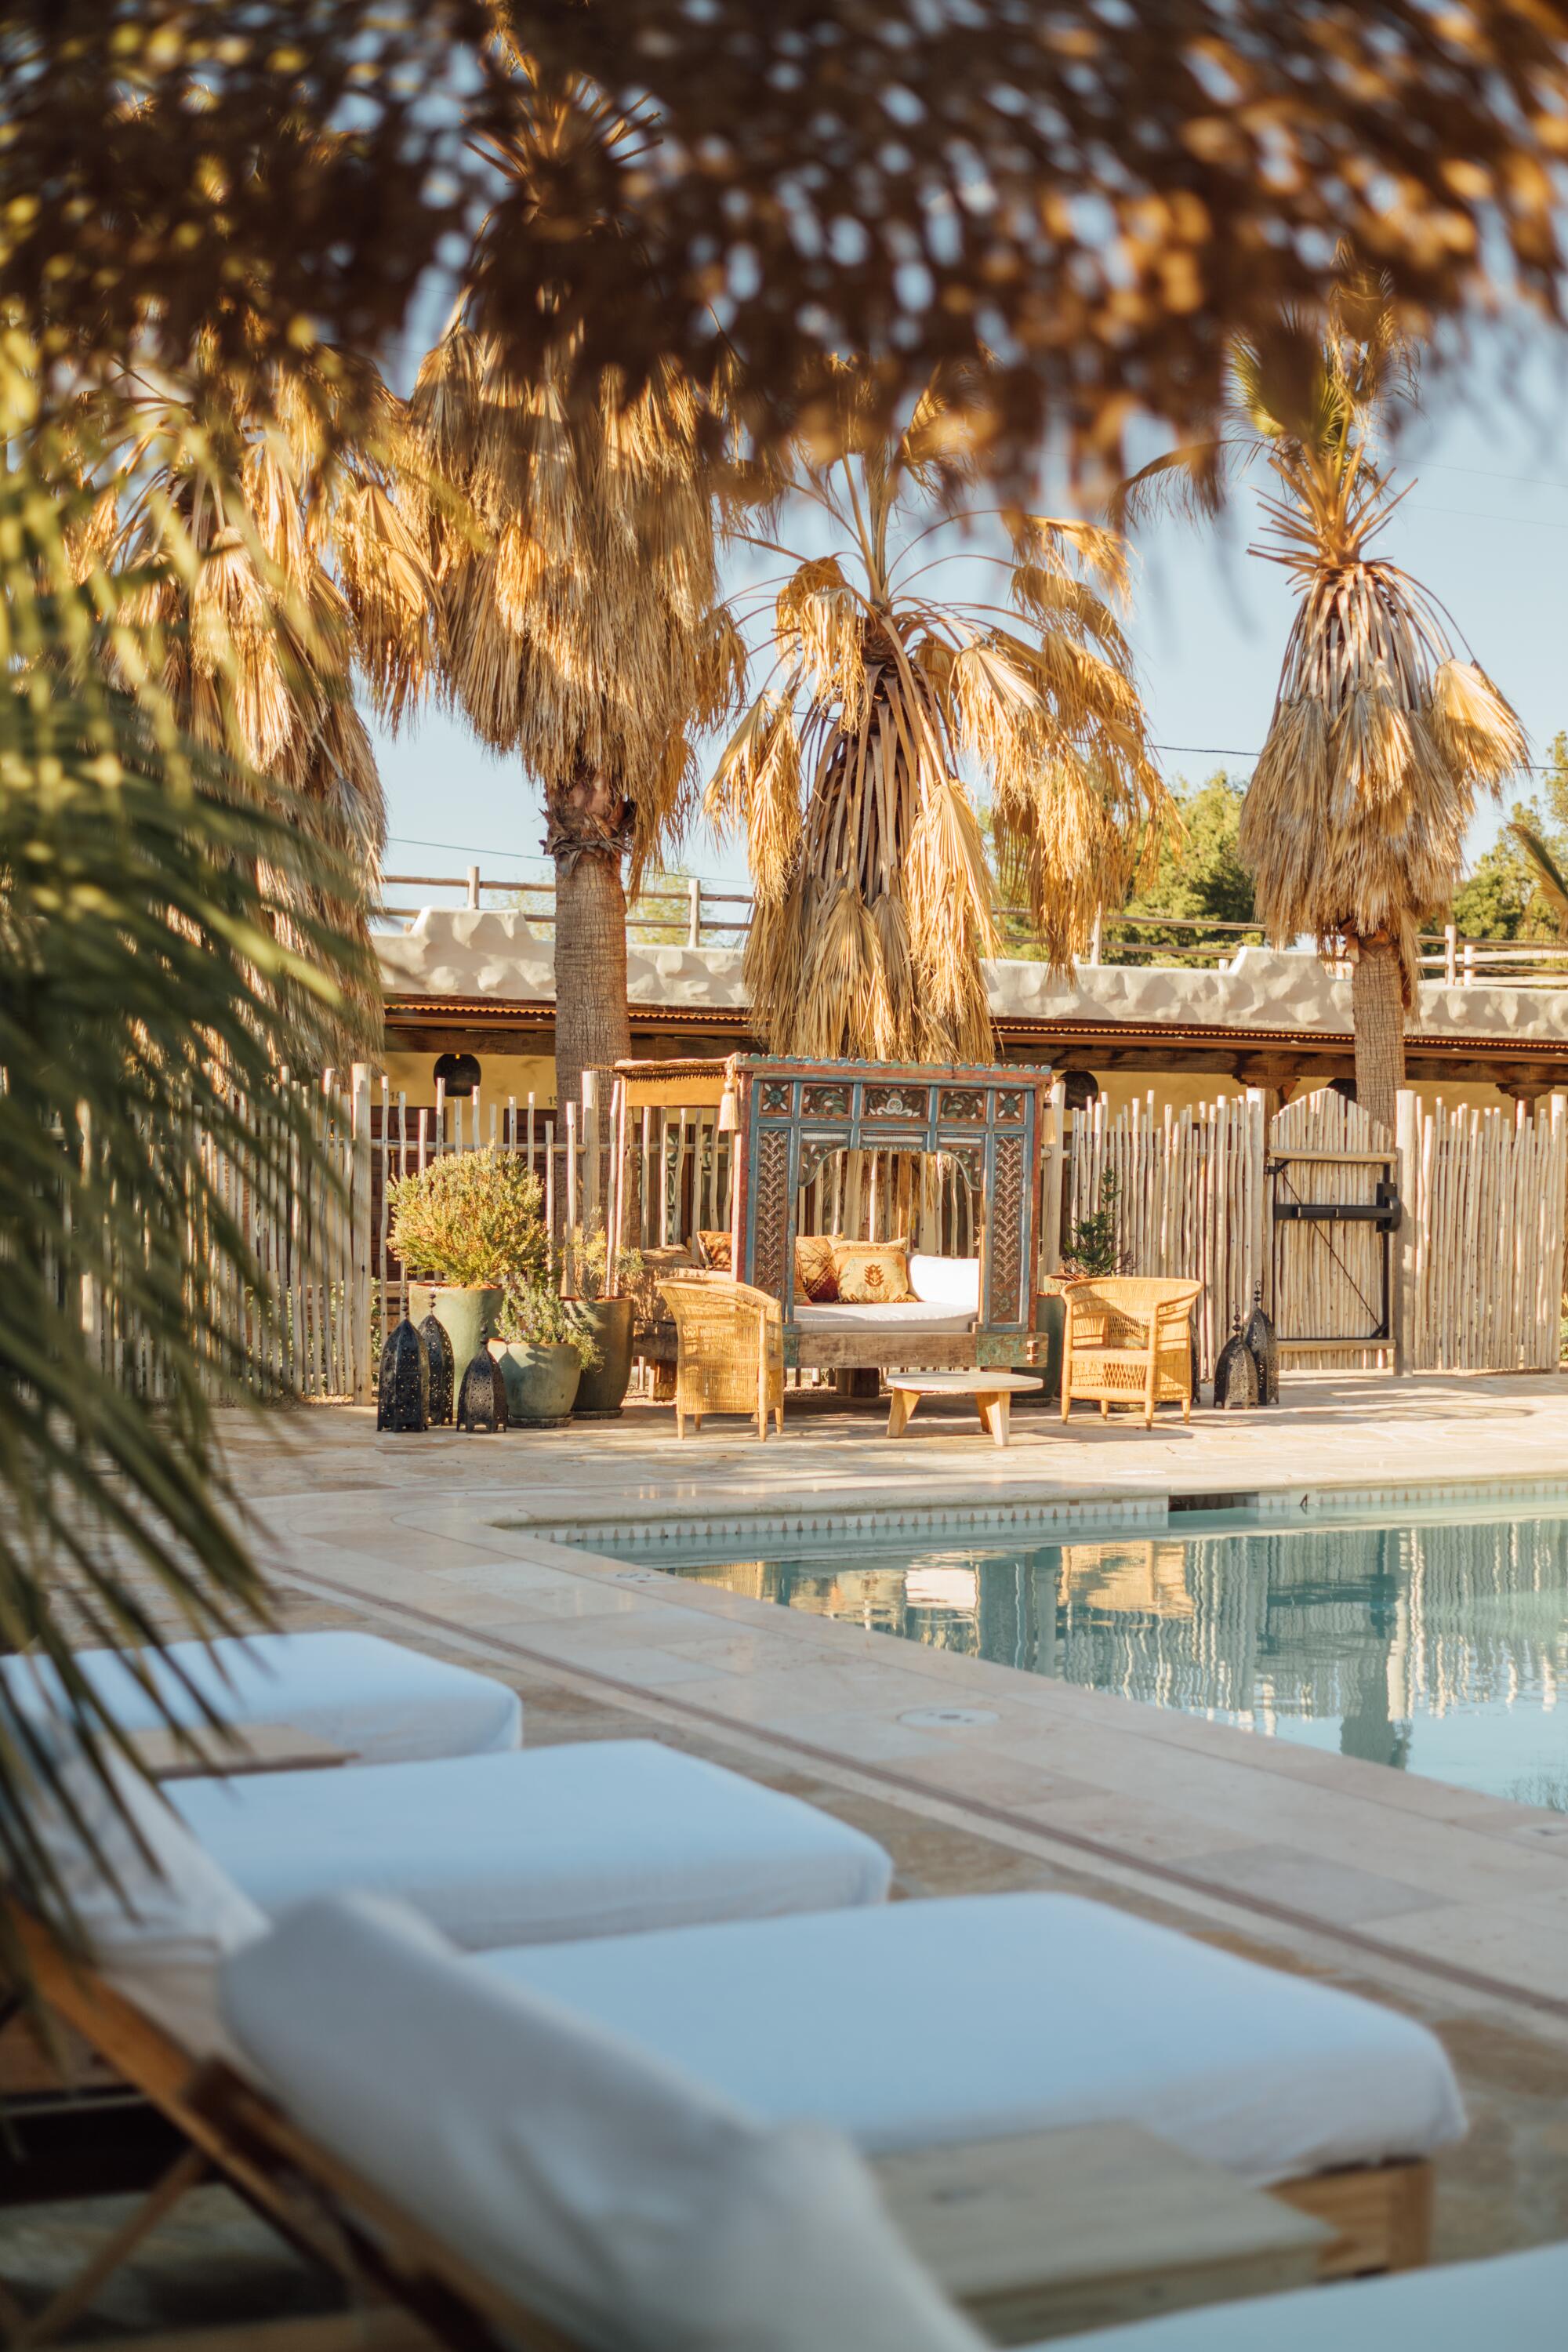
{"x": 816, "y": 1275}
{"x": 872, "y": 1274}
{"x": 718, "y": 1251}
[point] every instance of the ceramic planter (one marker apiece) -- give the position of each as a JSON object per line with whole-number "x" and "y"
{"x": 541, "y": 1383}
{"x": 604, "y": 1385}
{"x": 468, "y": 1317}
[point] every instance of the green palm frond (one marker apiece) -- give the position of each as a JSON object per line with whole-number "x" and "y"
{"x": 1549, "y": 878}
{"x": 151, "y": 991}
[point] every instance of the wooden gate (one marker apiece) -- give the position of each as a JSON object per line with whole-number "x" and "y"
{"x": 1334, "y": 1214}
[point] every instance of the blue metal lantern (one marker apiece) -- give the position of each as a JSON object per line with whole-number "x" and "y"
{"x": 438, "y": 1346}
{"x": 403, "y": 1390}
{"x": 481, "y": 1400}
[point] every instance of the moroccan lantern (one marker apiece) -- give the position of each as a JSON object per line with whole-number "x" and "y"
{"x": 438, "y": 1348}
{"x": 1264, "y": 1348}
{"x": 481, "y": 1400}
{"x": 1236, "y": 1374}
{"x": 403, "y": 1390}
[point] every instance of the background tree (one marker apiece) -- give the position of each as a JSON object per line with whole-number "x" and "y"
{"x": 576, "y": 619}
{"x": 873, "y": 896}
{"x": 273, "y": 563}
{"x": 1197, "y": 874}
{"x": 1381, "y": 738}
{"x": 1509, "y": 894}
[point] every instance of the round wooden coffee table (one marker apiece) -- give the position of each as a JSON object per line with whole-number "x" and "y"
{"x": 992, "y": 1391}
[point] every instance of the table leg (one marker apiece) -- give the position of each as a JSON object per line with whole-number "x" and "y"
{"x": 903, "y": 1402}
{"x": 993, "y": 1411}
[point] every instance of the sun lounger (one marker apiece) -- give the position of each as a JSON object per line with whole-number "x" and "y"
{"x": 978, "y": 2017}
{"x": 585, "y": 1839}
{"x": 497, "y": 2168}
{"x": 381, "y": 1703}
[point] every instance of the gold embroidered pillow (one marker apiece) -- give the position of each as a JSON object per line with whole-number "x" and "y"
{"x": 816, "y": 1276}
{"x": 718, "y": 1251}
{"x": 872, "y": 1274}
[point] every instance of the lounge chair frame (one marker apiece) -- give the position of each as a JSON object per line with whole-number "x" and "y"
{"x": 1381, "y": 2215}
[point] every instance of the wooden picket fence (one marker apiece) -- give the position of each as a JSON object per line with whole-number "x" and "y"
{"x": 1478, "y": 1260}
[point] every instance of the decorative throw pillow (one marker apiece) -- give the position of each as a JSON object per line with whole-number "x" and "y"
{"x": 816, "y": 1275}
{"x": 718, "y": 1251}
{"x": 872, "y": 1274}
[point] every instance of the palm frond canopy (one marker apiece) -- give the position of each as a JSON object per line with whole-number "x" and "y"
{"x": 874, "y": 899}
{"x": 1383, "y": 736}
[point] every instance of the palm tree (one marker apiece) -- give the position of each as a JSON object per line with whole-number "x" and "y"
{"x": 873, "y": 896}
{"x": 1382, "y": 737}
{"x": 146, "y": 998}
{"x": 272, "y": 560}
{"x": 576, "y": 618}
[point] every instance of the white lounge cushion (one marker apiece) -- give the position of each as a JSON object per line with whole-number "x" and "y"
{"x": 383, "y": 1702}
{"x": 158, "y": 1917}
{"x": 1512, "y": 2301}
{"x": 906, "y": 1315}
{"x": 976, "y": 2017}
{"x": 952, "y": 1282}
{"x": 590, "y": 1838}
{"x": 595, "y": 2185}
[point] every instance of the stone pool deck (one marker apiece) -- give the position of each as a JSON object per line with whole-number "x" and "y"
{"x": 1451, "y": 1906}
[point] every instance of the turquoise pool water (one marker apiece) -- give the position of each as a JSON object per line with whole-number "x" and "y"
{"x": 1436, "y": 1648}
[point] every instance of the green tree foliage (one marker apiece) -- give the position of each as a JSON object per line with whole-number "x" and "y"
{"x": 1501, "y": 897}
{"x": 1198, "y": 874}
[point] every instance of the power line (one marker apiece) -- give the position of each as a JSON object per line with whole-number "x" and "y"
{"x": 1229, "y": 752}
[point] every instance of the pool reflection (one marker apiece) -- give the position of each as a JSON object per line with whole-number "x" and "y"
{"x": 1371, "y": 1630}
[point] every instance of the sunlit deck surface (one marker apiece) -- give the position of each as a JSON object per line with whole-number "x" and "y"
{"x": 1448, "y": 1905}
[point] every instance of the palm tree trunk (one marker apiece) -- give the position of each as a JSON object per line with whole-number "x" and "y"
{"x": 589, "y": 829}
{"x": 1378, "y": 1016}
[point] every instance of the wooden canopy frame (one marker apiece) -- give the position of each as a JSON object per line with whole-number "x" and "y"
{"x": 790, "y": 1116}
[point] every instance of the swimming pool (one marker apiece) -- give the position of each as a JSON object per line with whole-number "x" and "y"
{"x": 1436, "y": 1647}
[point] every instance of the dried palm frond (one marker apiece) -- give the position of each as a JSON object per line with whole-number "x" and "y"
{"x": 874, "y": 897}
{"x": 1549, "y": 877}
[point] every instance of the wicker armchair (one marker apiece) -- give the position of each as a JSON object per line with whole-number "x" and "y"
{"x": 1128, "y": 1341}
{"x": 729, "y": 1351}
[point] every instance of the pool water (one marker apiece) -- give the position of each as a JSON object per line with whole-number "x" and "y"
{"x": 1436, "y": 1648}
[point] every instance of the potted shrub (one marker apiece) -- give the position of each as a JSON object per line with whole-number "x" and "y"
{"x": 464, "y": 1227}
{"x": 542, "y": 1349}
{"x": 609, "y": 1322}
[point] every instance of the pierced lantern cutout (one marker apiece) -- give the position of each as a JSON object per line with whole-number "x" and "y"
{"x": 402, "y": 1391}
{"x": 438, "y": 1348}
{"x": 481, "y": 1400}
{"x": 1264, "y": 1348}
{"x": 1236, "y": 1374}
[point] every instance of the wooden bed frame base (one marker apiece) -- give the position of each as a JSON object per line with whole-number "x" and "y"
{"x": 1381, "y": 2214}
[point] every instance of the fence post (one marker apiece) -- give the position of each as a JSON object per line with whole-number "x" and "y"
{"x": 473, "y": 879}
{"x": 1407, "y": 1171}
{"x": 1052, "y": 1190}
{"x": 694, "y": 923}
{"x": 1257, "y": 1248}
{"x": 1094, "y": 936}
{"x": 360, "y": 1371}
{"x": 1450, "y": 952}
{"x": 590, "y": 1146}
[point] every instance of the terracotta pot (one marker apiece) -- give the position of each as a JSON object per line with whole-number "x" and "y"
{"x": 602, "y": 1388}
{"x": 541, "y": 1383}
{"x": 468, "y": 1317}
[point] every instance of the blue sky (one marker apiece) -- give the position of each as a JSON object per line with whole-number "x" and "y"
{"x": 1485, "y": 530}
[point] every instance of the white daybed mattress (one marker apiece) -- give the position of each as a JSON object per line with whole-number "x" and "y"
{"x": 592, "y": 1838}
{"x": 983, "y": 2015}
{"x": 909, "y": 1316}
{"x": 383, "y": 1703}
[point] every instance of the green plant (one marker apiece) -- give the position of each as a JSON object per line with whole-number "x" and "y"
{"x": 588, "y": 1255}
{"x": 535, "y": 1313}
{"x": 1090, "y": 1249}
{"x": 473, "y": 1219}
